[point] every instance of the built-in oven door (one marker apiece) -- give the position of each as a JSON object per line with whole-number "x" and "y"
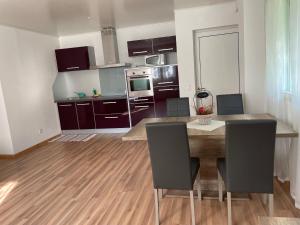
{"x": 140, "y": 86}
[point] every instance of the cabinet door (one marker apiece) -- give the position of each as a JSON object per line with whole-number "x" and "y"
{"x": 165, "y": 76}
{"x": 140, "y": 47}
{"x": 110, "y": 106}
{"x": 67, "y": 116}
{"x": 164, "y": 45}
{"x": 85, "y": 114}
{"x": 141, "y": 111}
{"x": 112, "y": 121}
{"x": 161, "y": 95}
{"x": 71, "y": 59}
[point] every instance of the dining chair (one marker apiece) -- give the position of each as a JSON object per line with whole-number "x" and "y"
{"x": 248, "y": 166}
{"x": 178, "y": 107}
{"x": 230, "y": 104}
{"x": 172, "y": 166}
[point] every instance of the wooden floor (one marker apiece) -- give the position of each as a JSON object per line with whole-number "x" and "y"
{"x": 106, "y": 181}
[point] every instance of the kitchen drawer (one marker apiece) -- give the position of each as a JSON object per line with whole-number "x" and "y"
{"x": 164, "y": 45}
{"x": 141, "y": 111}
{"x": 112, "y": 121}
{"x": 110, "y": 106}
{"x": 140, "y": 100}
{"x": 165, "y": 76}
{"x": 163, "y": 93}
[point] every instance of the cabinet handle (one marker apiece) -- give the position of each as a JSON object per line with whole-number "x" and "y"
{"x": 142, "y": 106}
{"x": 165, "y": 49}
{"x": 68, "y": 105}
{"x": 84, "y": 104}
{"x": 139, "y": 52}
{"x": 161, "y": 90}
{"x": 141, "y": 100}
{"x": 169, "y": 82}
{"x": 111, "y": 117}
{"x": 107, "y": 103}
{"x": 73, "y": 68}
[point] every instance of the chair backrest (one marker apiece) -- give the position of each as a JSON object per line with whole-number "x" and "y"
{"x": 170, "y": 155}
{"x": 249, "y": 151}
{"x": 230, "y": 104}
{"x": 178, "y": 107}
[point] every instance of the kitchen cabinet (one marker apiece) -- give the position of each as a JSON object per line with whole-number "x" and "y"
{"x": 140, "y": 47}
{"x": 165, "y": 76}
{"x": 160, "y": 45}
{"x": 85, "y": 115}
{"x": 164, "y": 45}
{"x": 112, "y": 121}
{"x": 141, "y": 108}
{"x": 72, "y": 59}
{"x": 68, "y": 116}
{"x": 161, "y": 95}
{"x": 110, "y": 106}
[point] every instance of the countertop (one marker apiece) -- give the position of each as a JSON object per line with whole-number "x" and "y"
{"x": 90, "y": 98}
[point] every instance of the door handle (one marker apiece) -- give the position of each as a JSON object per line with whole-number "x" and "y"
{"x": 165, "y": 49}
{"x": 142, "y": 106}
{"x": 83, "y": 104}
{"x": 73, "y": 68}
{"x": 141, "y": 100}
{"x": 107, "y": 103}
{"x": 111, "y": 117}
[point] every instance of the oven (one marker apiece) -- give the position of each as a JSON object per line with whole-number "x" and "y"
{"x": 140, "y": 82}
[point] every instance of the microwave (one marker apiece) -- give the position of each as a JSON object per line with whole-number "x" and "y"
{"x": 155, "y": 60}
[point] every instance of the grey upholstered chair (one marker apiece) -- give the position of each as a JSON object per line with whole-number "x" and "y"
{"x": 178, "y": 107}
{"x": 230, "y": 104}
{"x": 249, "y": 160}
{"x": 172, "y": 166}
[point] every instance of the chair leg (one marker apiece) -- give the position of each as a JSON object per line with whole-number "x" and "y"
{"x": 192, "y": 207}
{"x": 199, "y": 186}
{"x": 220, "y": 187}
{"x": 271, "y": 204}
{"x": 229, "y": 208}
{"x": 156, "y": 206}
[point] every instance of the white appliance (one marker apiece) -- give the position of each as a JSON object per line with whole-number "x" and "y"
{"x": 139, "y": 82}
{"x": 155, "y": 60}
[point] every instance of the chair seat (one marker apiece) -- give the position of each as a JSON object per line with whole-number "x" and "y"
{"x": 195, "y": 166}
{"x": 221, "y": 165}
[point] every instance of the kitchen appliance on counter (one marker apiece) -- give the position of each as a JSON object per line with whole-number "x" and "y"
{"x": 156, "y": 60}
{"x": 139, "y": 82}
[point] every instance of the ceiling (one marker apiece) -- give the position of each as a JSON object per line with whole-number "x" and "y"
{"x": 66, "y": 17}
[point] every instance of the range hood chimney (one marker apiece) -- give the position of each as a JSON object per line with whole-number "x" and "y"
{"x": 110, "y": 49}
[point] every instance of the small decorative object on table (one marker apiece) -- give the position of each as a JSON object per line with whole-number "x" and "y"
{"x": 203, "y": 102}
{"x": 95, "y": 93}
{"x": 81, "y": 94}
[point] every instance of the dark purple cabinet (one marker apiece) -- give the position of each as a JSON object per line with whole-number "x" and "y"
{"x": 110, "y": 106}
{"x": 67, "y": 116}
{"x": 165, "y": 76}
{"x": 161, "y": 95}
{"x": 160, "y": 45}
{"x": 141, "y": 108}
{"x": 85, "y": 115}
{"x": 112, "y": 121}
{"x": 72, "y": 59}
{"x": 140, "y": 47}
{"x": 164, "y": 45}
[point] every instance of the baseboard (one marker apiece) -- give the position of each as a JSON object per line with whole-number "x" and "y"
{"x": 98, "y": 131}
{"x": 28, "y": 150}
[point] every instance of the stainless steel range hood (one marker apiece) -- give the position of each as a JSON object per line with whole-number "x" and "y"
{"x": 110, "y": 49}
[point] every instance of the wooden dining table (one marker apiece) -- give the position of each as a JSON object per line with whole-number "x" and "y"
{"x": 208, "y": 145}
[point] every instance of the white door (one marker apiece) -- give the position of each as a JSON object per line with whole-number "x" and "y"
{"x": 218, "y": 61}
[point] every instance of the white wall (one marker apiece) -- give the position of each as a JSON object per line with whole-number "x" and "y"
{"x": 253, "y": 18}
{"x": 6, "y": 147}
{"x": 189, "y": 20}
{"x": 27, "y": 73}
